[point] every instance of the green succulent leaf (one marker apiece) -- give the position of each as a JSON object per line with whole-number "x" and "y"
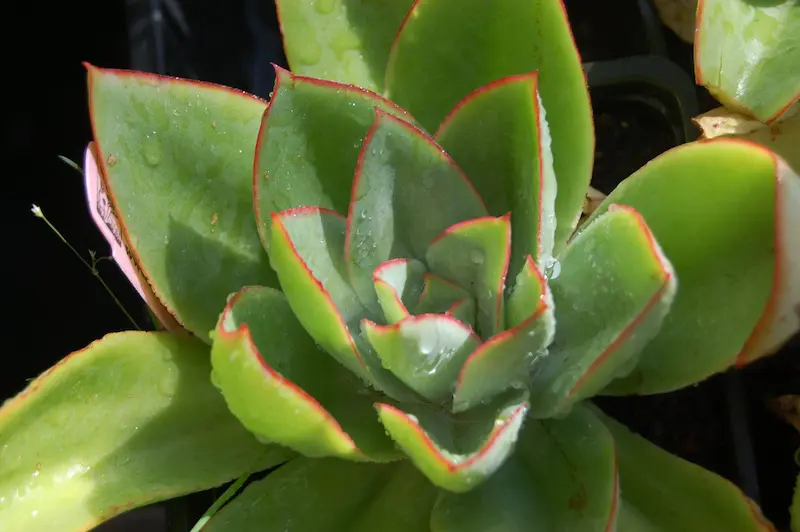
{"x": 306, "y": 252}
{"x": 457, "y": 453}
{"x": 440, "y": 296}
{"x": 426, "y": 352}
{"x": 129, "y": 420}
{"x": 176, "y": 157}
{"x": 747, "y": 53}
{"x": 508, "y": 358}
{"x": 341, "y": 40}
{"x": 563, "y": 476}
{"x": 406, "y": 191}
{"x": 307, "y": 495}
{"x": 530, "y": 293}
{"x": 271, "y": 371}
{"x": 430, "y": 71}
{"x": 475, "y": 254}
{"x": 299, "y": 161}
{"x": 663, "y": 492}
{"x": 509, "y": 161}
{"x": 613, "y": 291}
{"x": 398, "y": 284}
{"x": 721, "y": 211}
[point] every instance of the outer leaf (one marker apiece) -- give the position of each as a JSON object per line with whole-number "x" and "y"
{"x": 507, "y": 359}
{"x": 613, "y": 292}
{"x": 106, "y": 221}
{"x": 509, "y": 162}
{"x": 457, "y": 454}
{"x": 129, "y": 420}
{"x": 426, "y": 352}
{"x": 176, "y": 157}
{"x": 563, "y": 476}
{"x": 342, "y": 40}
{"x": 324, "y": 495}
{"x": 271, "y": 371}
{"x": 746, "y": 54}
{"x": 782, "y": 137}
{"x": 299, "y": 161}
{"x": 431, "y": 70}
{"x": 398, "y": 285}
{"x": 668, "y": 493}
{"x": 475, "y": 255}
{"x": 406, "y": 191}
{"x": 722, "y": 212}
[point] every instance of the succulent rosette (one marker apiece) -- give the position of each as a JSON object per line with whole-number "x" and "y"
{"x": 402, "y": 302}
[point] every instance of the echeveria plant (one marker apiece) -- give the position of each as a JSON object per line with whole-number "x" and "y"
{"x": 402, "y": 307}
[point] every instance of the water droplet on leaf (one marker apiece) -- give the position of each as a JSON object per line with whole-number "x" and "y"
{"x": 324, "y": 7}
{"x": 152, "y": 149}
{"x": 476, "y": 256}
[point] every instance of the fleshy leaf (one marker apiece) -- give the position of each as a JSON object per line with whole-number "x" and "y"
{"x": 307, "y": 253}
{"x": 782, "y": 136}
{"x": 746, "y": 54}
{"x": 176, "y": 158}
{"x": 271, "y": 371}
{"x": 475, "y": 255}
{"x": 426, "y": 352}
{"x": 668, "y": 493}
{"x": 129, "y": 420}
{"x": 430, "y": 71}
{"x": 406, "y": 191}
{"x": 439, "y": 295}
{"x": 398, "y": 284}
{"x": 309, "y": 495}
{"x": 507, "y": 359}
{"x": 563, "y": 476}
{"x": 339, "y": 39}
{"x": 509, "y": 161}
{"x": 723, "y": 211}
{"x": 105, "y": 218}
{"x": 614, "y": 289}
{"x": 457, "y": 454}
{"x": 299, "y": 162}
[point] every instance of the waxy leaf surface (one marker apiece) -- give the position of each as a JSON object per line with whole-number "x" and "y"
{"x": 398, "y": 284}
{"x": 747, "y": 54}
{"x": 177, "y": 157}
{"x": 475, "y": 255}
{"x": 308, "y": 145}
{"x": 326, "y": 494}
{"x": 286, "y": 390}
{"x": 457, "y": 452}
{"x": 611, "y": 295}
{"x": 129, "y": 420}
{"x": 407, "y": 190}
{"x": 499, "y": 136}
{"x": 664, "y": 492}
{"x": 508, "y": 358}
{"x": 426, "y": 352}
{"x": 563, "y": 476}
{"x": 341, "y": 40}
{"x": 448, "y": 48}
{"x": 716, "y": 208}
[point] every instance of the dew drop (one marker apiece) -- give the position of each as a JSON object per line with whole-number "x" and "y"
{"x": 308, "y": 50}
{"x": 152, "y": 149}
{"x": 324, "y": 7}
{"x": 476, "y": 256}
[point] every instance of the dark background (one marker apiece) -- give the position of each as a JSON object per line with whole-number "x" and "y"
{"x": 55, "y": 306}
